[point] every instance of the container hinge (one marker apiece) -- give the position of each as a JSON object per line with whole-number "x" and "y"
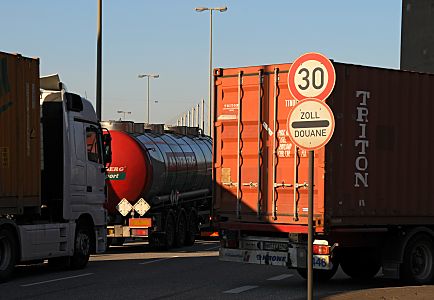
{"x": 251, "y": 184}
{"x": 276, "y": 185}
{"x": 300, "y": 185}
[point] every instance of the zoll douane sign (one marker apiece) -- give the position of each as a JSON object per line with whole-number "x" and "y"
{"x": 311, "y": 124}
{"x": 311, "y": 79}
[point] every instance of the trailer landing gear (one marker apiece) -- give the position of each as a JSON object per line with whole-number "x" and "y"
{"x": 191, "y": 228}
{"x": 170, "y": 230}
{"x": 181, "y": 229}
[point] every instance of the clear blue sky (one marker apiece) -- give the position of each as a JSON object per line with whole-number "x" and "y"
{"x": 171, "y": 39}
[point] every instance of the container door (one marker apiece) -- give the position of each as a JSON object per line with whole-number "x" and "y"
{"x": 260, "y": 175}
{"x": 241, "y": 148}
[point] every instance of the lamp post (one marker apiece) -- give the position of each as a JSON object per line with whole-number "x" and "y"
{"x": 99, "y": 62}
{"x": 220, "y": 9}
{"x": 124, "y": 112}
{"x": 148, "y": 76}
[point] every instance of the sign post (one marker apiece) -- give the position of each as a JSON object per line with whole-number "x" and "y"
{"x": 310, "y": 124}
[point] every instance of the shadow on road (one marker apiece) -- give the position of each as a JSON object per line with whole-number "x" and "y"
{"x": 142, "y": 246}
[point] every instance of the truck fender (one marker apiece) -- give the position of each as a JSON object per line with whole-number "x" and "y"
{"x": 394, "y": 248}
{"x": 396, "y": 242}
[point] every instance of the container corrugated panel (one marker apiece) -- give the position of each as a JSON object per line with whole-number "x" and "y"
{"x": 20, "y": 165}
{"x": 375, "y": 171}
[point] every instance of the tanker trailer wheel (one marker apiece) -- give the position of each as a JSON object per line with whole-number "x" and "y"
{"x": 417, "y": 267}
{"x": 170, "y": 230}
{"x": 82, "y": 246}
{"x": 191, "y": 228}
{"x": 8, "y": 254}
{"x": 360, "y": 263}
{"x": 181, "y": 229}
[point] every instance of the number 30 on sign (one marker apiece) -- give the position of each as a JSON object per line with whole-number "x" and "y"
{"x": 312, "y": 75}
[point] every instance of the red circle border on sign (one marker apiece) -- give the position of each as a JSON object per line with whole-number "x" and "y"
{"x": 332, "y": 121}
{"x": 330, "y": 70}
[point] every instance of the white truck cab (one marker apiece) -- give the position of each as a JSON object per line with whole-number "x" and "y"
{"x": 70, "y": 222}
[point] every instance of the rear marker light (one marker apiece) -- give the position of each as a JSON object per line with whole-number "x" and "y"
{"x": 321, "y": 249}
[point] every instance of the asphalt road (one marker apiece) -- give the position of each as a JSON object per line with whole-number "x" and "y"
{"x": 134, "y": 271}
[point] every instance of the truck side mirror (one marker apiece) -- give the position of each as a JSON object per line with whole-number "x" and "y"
{"x": 74, "y": 102}
{"x": 107, "y": 144}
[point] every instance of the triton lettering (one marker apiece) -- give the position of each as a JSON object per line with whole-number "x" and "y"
{"x": 362, "y": 142}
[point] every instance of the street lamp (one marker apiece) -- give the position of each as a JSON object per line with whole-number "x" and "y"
{"x": 148, "y": 76}
{"x": 220, "y": 9}
{"x": 124, "y": 112}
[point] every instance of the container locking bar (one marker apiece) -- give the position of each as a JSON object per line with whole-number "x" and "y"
{"x": 260, "y": 158}
{"x": 295, "y": 214}
{"x": 275, "y": 124}
{"x": 276, "y": 185}
{"x": 239, "y": 158}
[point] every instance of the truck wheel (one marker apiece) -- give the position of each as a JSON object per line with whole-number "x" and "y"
{"x": 170, "y": 231}
{"x": 417, "y": 267}
{"x": 181, "y": 230}
{"x": 82, "y": 246}
{"x": 8, "y": 254}
{"x": 155, "y": 241}
{"x": 320, "y": 275}
{"x": 360, "y": 263}
{"x": 191, "y": 228}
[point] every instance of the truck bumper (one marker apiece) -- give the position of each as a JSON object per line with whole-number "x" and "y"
{"x": 293, "y": 258}
{"x": 127, "y": 231}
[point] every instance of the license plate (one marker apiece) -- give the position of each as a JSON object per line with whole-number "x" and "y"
{"x": 322, "y": 262}
{"x": 275, "y": 246}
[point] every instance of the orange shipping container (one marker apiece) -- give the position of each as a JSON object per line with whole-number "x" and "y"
{"x": 375, "y": 171}
{"x": 20, "y": 164}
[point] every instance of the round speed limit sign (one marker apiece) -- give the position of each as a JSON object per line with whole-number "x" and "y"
{"x": 312, "y": 75}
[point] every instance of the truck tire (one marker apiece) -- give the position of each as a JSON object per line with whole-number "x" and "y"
{"x": 181, "y": 229}
{"x": 8, "y": 254}
{"x": 155, "y": 241}
{"x": 170, "y": 231}
{"x": 417, "y": 266}
{"x": 190, "y": 237}
{"x": 82, "y": 246}
{"x": 360, "y": 263}
{"x": 319, "y": 275}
